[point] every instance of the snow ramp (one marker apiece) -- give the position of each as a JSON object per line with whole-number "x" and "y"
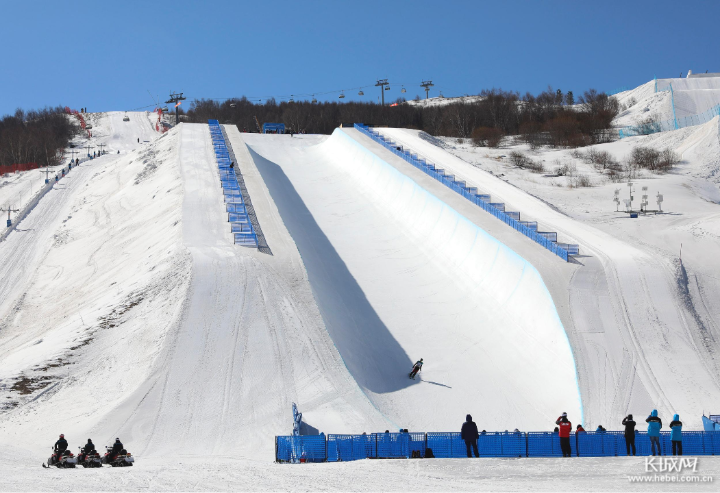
{"x": 398, "y": 275}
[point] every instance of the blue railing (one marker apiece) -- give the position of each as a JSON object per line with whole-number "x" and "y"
{"x": 240, "y": 225}
{"x": 335, "y": 448}
{"x": 497, "y": 209}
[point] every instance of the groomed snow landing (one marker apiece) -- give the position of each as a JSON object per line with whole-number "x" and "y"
{"x": 399, "y": 275}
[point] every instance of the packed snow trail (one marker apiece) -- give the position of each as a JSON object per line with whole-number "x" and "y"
{"x": 398, "y": 275}
{"x": 635, "y": 344}
{"x": 250, "y": 341}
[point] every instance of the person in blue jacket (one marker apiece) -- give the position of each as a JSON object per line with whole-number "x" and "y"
{"x": 676, "y": 435}
{"x": 654, "y": 425}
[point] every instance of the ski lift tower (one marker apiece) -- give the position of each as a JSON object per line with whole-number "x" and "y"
{"x": 382, "y": 83}
{"x": 176, "y": 98}
{"x": 427, "y": 84}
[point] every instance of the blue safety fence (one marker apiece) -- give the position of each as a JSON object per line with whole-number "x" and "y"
{"x": 338, "y": 448}
{"x": 240, "y": 224}
{"x": 471, "y": 193}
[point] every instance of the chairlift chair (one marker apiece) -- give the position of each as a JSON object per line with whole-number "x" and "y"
{"x": 164, "y": 109}
{"x": 291, "y": 99}
{"x": 403, "y": 89}
{"x": 232, "y": 105}
{"x": 314, "y": 100}
{"x": 342, "y": 95}
{"x": 126, "y": 118}
{"x": 387, "y": 88}
{"x": 361, "y": 93}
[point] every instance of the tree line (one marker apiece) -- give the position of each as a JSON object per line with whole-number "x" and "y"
{"x": 549, "y": 118}
{"x": 36, "y": 136}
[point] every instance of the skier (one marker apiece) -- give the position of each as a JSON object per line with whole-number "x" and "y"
{"x": 60, "y": 446}
{"x": 138, "y": 140}
{"x": 77, "y": 161}
{"x": 654, "y": 425}
{"x": 469, "y": 433}
{"x": 676, "y": 435}
{"x": 564, "y": 432}
{"x": 232, "y": 164}
{"x": 416, "y": 368}
{"x": 629, "y": 433}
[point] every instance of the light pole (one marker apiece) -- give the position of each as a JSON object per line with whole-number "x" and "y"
{"x": 9, "y": 210}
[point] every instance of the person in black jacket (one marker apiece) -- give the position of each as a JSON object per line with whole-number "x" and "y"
{"x": 629, "y": 433}
{"x": 60, "y": 446}
{"x": 469, "y": 433}
{"x": 116, "y": 449}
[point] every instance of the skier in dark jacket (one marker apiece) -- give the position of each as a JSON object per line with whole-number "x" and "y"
{"x": 629, "y": 433}
{"x": 564, "y": 432}
{"x": 676, "y": 435}
{"x": 416, "y": 368}
{"x": 469, "y": 433}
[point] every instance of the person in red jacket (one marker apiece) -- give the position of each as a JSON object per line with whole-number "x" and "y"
{"x": 579, "y": 429}
{"x": 564, "y": 432}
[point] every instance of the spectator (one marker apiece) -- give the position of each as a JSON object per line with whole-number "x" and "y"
{"x": 469, "y": 433}
{"x": 600, "y": 429}
{"x": 654, "y": 426}
{"x": 579, "y": 429}
{"x": 556, "y": 430}
{"x": 565, "y": 428}
{"x": 676, "y": 435}
{"x": 629, "y": 433}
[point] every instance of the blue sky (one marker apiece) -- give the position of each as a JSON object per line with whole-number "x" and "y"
{"x": 106, "y": 55}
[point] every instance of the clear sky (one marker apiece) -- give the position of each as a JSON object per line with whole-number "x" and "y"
{"x": 106, "y": 55}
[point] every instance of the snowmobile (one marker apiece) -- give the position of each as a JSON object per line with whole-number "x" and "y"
{"x": 123, "y": 459}
{"x": 66, "y": 460}
{"x": 92, "y": 459}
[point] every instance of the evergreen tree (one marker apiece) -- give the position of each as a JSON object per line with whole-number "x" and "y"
{"x": 569, "y": 98}
{"x": 559, "y": 97}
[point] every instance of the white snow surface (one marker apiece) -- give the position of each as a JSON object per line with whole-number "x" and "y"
{"x": 399, "y": 274}
{"x": 125, "y": 310}
{"x": 638, "y": 340}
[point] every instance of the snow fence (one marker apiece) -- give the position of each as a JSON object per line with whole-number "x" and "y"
{"x": 235, "y": 206}
{"x": 336, "y": 448}
{"x": 512, "y": 219}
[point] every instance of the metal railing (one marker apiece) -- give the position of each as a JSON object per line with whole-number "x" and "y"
{"x": 512, "y": 219}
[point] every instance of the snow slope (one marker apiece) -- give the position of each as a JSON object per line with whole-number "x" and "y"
{"x": 399, "y": 274}
{"x": 636, "y": 343}
{"x": 126, "y": 305}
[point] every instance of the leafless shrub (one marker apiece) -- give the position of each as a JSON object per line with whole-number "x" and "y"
{"x": 654, "y": 160}
{"x": 487, "y": 136}
{"x": 522, "y": 161}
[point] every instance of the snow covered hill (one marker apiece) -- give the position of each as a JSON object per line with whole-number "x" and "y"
{"x": 126, "y": 309}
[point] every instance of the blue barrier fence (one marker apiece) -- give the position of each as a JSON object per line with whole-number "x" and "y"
{"x": 335, "y": 448}
{"x": 666, "y": 125}
{"x": 497, "y": 209}
{"x": 240, "y": 225}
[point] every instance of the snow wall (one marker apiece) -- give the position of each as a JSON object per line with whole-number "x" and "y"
{"x": 509, "y": 349}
